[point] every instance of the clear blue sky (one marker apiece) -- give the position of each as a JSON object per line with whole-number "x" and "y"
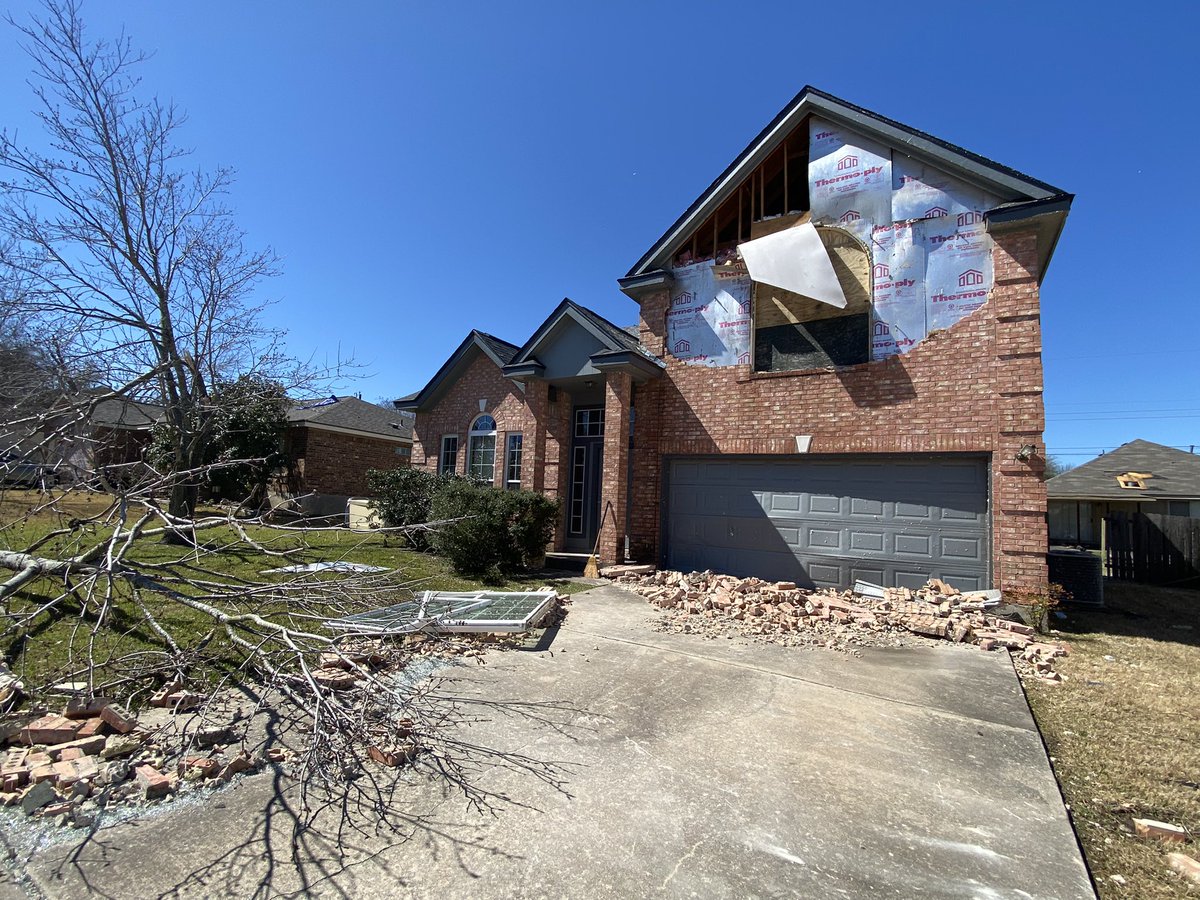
{"x": 427, "y": 168}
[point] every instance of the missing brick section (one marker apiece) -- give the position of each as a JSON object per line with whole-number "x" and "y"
{"x": 794, "y": 332}
{"x": 909, "y": 241}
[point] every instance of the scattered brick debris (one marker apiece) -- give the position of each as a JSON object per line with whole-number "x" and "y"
{"x": 1163, "y": 831}
{"x": 779, "y": 611}
{"x": 1185, "y": 865}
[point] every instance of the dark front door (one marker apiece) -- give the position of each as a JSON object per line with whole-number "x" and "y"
{"x": 584, "y": 468}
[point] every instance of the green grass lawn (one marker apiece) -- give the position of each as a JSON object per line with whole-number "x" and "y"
{"x": 1124, "y": 732}
{"x": 55, "y": 647}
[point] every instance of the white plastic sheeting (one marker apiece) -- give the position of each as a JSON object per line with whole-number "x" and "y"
{"x": 923, "y": 192}
{"x": 709, "y": 319}
{"x": 931, "y": 260}
{"x": 898, "y": 274}
{"x": 958, "y": 269}
{"x": 849, "y": 179}
{"x": 795, "y": 260}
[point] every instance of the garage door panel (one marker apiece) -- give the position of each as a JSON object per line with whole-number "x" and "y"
{"x": 827, "y": 522}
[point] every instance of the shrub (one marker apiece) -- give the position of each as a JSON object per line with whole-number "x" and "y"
{"x": 404, "y": 497}
{"x": 1041, "y": 600}
{"x": 499, "y": 532}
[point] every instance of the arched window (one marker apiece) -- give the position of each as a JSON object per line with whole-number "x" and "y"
{"x": 481, "y": 449}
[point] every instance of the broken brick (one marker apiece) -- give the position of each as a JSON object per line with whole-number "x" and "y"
{"x": 118, "y": 718}
{"x": 91, "y": 728}
{"x": 79, "y": 708}
{"x": 1185, "y": 866}
{"x": 1163, "y": 831}
{"x": 153, "y": 782}
{"x": 240, "y": 763}
{"x": 392, "y": 756}
{"x": 50, "y": 729}
{"x": 84, "y": 746}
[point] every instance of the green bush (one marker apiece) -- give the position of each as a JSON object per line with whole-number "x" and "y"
{"x": 404, "y": 496}
{"x": 497, "y": 533}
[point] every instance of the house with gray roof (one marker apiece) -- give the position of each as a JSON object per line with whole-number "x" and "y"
{"x": 1139, "y": 476}
{"x": 334, "y": 441}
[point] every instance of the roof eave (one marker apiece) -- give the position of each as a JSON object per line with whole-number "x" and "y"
{"x": 974, "y": 168}
{"x": 567, "y": 307}
{"x": 419, "y": 401}
{"x": 1047, "y": 217}
{"x": 631, "y": 362}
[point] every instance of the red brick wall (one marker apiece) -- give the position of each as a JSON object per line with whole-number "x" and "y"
{"x": 974, "y": 388}
{"x": 332, "y": 462}
{"x": 454, "y": 413}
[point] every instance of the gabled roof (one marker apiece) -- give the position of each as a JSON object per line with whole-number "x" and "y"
{"x": 499, "y": 351}
{"x": 121, "y": 412}
{"x": 352, "y": 414}
{"x": 1174, "y": 475}
{"x": 613, "y": 337}
{"x": 1002, "y": 181}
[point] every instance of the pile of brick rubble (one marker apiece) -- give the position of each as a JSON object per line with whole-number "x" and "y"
{"x": 66, "y": 767}
{"x": 708, "y": 603}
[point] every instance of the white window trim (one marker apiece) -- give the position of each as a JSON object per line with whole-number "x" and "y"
{"x": 472, "y": 436}
{"x": 453, "y": 470}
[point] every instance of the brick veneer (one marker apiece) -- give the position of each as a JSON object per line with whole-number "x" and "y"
{"x": 333, "y": 462}
{"x": 973, "y": 388}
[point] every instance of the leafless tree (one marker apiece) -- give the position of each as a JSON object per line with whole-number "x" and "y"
{"x": 124, "y": 247}
{"x": 137, "y": 265}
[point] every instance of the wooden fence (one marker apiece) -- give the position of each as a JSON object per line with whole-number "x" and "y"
{"x": 1152, "y": 548}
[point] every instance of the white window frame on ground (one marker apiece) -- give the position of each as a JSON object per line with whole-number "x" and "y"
{"x": 481, "y": 449}
{"x": 448, "y": 458}
{"x": 514, "y": 451}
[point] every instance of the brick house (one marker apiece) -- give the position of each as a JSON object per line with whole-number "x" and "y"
{"x": 334, "y": 442}
{"x": 836, "y": 372}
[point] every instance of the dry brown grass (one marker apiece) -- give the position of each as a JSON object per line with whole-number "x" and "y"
{"x": 1124, "y": 732}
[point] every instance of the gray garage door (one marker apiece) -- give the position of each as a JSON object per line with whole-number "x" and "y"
{"x": 896, "y": 521}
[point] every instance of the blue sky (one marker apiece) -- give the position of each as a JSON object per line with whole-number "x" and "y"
{"x": 423, "y": 169}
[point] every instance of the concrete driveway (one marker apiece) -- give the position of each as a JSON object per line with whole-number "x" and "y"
{"x": 700, "y": 768}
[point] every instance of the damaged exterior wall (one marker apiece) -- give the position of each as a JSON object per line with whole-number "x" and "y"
{"x": 974, "y": 388}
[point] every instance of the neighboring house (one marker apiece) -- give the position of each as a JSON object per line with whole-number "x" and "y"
{"x": 121, "y": 431}
{"x": 73, "y": 443}
{"x": 335, "y": 441}
{"x": 1136, "y": 477}
{"x": 836, "y": 372}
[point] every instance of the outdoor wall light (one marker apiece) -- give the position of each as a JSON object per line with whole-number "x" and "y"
{"x": 1029, "y": 450}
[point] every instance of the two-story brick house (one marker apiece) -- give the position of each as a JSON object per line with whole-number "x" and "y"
{"x": 836, "y": 372}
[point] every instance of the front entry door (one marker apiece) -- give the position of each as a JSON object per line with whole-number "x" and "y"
{"x": 585, "y": 467}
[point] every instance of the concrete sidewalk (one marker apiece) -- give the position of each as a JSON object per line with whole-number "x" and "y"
{"x": 700, "y": 768}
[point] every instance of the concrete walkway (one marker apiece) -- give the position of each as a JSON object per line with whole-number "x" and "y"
{"x": 700, "y": 768}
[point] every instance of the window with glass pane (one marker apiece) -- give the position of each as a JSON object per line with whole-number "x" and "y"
{"x": 577, "y": 476}
{"x": 512, "y": 466}
{"x": 481, "y": 449}
{"x": 589, "y": 423}
{"x": 449, "y": 458}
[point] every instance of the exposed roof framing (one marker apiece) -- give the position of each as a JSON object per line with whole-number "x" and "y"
{"x": 998, "y": 179}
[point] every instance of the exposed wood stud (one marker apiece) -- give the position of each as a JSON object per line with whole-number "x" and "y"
{"x": 786, "y": 206}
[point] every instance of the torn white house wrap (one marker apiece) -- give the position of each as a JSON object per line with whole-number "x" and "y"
{"x": 794, "y": 260}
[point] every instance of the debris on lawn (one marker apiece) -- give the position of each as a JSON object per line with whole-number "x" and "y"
{"x": 1185, "y": 865}
{"x": 1162, "y": 831}
{"x": 95, "y": 755}
{"x": 869, "y": 614}
{"x": 356, "y": 568}
{"x": 454, "y": 611}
